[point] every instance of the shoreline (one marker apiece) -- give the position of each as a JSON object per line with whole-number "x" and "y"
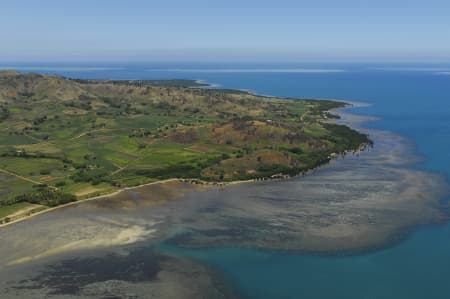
{"x": 348, "y": 104}
{"x": 162, "y": 182}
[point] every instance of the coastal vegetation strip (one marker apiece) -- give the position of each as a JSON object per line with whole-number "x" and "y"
{"x": 73, "y": 139}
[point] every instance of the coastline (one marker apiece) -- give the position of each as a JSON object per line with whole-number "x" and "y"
{"x": 42, "y": 210}
{"x": 117, "y": 192}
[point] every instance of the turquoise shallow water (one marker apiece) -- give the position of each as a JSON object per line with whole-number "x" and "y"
{"x": 414, "y": 103}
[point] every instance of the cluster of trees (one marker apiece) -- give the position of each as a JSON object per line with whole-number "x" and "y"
{"x": 26, "y": 94}
{"x": 94, "y": 176}
{"x": 45, "y": 196}
{"x": 116, "y": 103}
{"x": 4, "y": 113}
{"x": 39, "y": 120}
{"x": 85, "y": 105}
{"x": 12, "y": 152}
{"x": 140, "y": 133}
{"x": 346, "y": 138}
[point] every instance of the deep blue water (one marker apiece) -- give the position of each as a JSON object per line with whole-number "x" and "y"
{"x": 413, "y": 101}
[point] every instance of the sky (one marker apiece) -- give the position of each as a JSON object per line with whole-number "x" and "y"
{"x": 232, "y": 30}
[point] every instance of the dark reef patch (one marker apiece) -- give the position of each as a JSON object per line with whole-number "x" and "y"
{"x": 140, "y": 273}
{"x": 71, "y": 275}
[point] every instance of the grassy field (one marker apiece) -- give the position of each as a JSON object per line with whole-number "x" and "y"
{"x": 10, "y": 209}
{"x": 84, "y": 138}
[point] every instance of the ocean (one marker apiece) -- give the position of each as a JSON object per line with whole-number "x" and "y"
{"x": 410, "y": 100}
